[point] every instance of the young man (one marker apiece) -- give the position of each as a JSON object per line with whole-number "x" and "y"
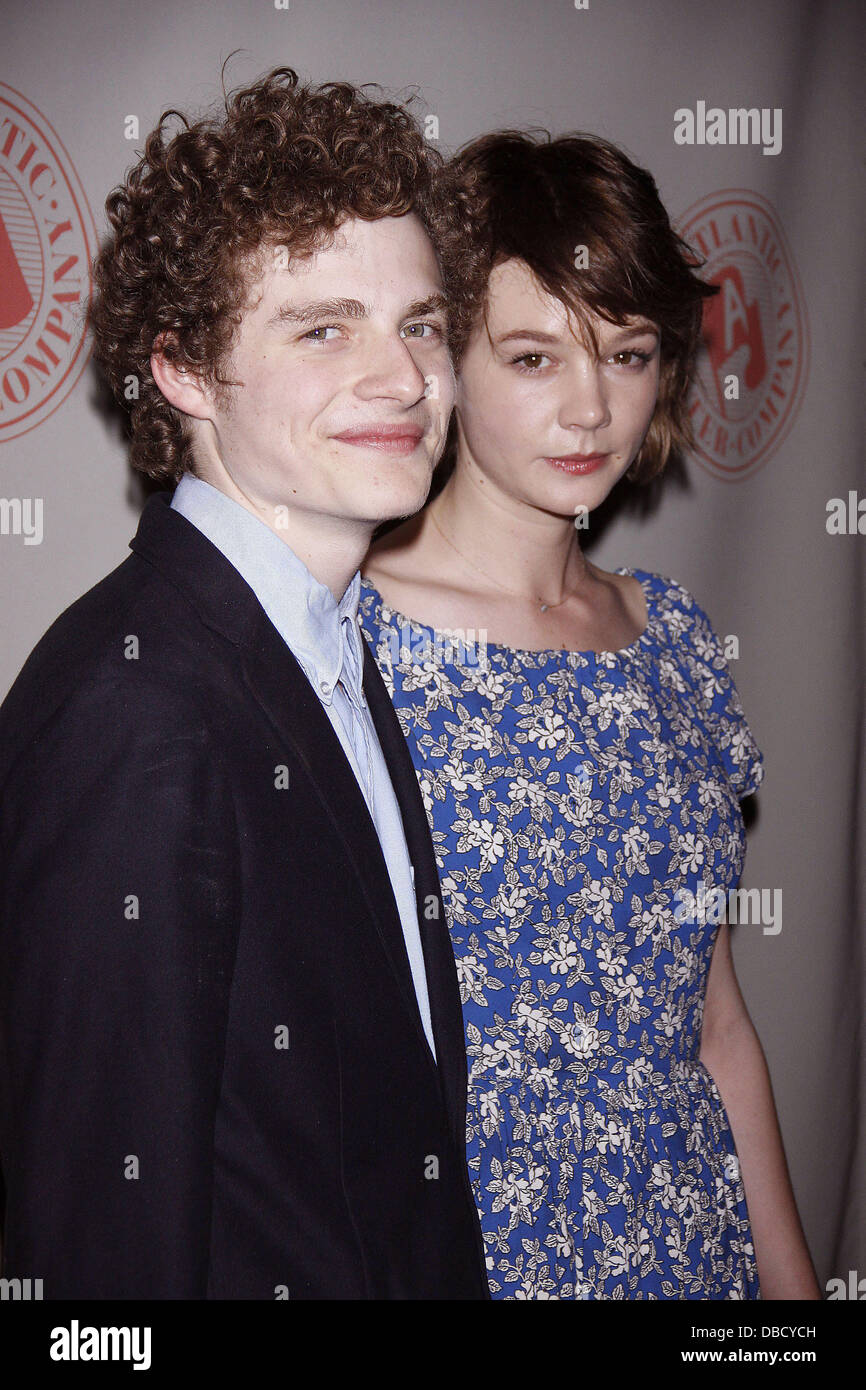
{"x": 231, "y": 1043}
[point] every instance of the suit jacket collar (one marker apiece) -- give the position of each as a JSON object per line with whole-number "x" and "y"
{"x": 226, "y": 603}
{"x": 321, "y": 632}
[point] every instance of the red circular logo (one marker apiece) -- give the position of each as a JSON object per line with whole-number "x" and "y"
{"x": 753, "y": 361}
{"x": 47, "y": 242}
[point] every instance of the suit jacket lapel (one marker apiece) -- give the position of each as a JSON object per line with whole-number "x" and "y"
{"x": 445, "y": 1007}
{"x": 282, "y": 689}
{"x": 225, "y": 602}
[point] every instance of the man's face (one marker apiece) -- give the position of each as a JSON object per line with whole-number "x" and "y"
{"x": 344, "y": 379}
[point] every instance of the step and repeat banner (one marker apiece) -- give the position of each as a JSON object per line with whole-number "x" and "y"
{"x": 749, "y": 117}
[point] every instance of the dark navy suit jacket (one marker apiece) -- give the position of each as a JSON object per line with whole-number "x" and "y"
{"x": 214, "y": 1081}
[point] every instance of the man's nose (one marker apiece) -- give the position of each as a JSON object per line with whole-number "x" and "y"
{"x": 390, "y": 370}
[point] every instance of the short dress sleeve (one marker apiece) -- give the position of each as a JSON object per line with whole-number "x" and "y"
{"x": 702, "y": 658}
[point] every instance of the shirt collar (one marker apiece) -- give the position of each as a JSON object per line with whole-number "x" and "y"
{"x": 322, "y": 634}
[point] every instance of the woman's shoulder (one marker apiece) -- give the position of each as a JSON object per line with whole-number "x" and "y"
{"x": 663, "y": 586}
{"x": 701, "y": 658}
{"x": 402, "y": 595}
{"x": 678, "y": 610}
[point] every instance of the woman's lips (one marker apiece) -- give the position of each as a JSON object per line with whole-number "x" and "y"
{"x": 579, "y": 463}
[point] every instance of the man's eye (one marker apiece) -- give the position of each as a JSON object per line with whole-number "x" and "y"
{"x": 434, "y": 330}
{"x": 317, "y": 335}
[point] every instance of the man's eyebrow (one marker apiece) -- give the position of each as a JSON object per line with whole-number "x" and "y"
{"x": 433, "y": 304}
{"x": 315, "y": 310}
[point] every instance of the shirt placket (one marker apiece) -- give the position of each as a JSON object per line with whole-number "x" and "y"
{"x": 361, "y": 741}
{"x": 360, "y": 729}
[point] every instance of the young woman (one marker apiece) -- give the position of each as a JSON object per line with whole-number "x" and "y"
{"x": 582, "y": 751}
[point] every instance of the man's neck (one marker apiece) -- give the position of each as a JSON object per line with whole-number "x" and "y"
{"x": 331, "y": 547}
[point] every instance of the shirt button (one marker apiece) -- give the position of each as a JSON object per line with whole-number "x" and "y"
{"x": 325, "y": 688}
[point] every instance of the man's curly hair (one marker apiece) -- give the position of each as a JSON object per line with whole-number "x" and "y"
{"x": 285, "y": 165}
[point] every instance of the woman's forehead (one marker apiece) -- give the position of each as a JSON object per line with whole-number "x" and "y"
{"x": 517, "y": 302}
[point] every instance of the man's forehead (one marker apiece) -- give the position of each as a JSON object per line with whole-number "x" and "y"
{"x": 354, "y": 239}
{"x": 336, "y": 275}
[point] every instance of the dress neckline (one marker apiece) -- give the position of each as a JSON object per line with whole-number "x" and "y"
{"x": 633, "y": 648}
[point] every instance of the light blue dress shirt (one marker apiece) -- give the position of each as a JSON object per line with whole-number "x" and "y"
{"x": 324, "y": 638}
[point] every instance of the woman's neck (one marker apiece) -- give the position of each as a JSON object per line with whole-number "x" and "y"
{"x": 521, "y": 549}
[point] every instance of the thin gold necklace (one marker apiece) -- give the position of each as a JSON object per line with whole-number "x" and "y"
{"x": 544, "y": 606}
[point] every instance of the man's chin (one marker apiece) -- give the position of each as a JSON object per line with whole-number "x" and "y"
{"x": 397, "y": 503}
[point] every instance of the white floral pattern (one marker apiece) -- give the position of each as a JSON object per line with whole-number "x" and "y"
{"x": 570, "y": 796}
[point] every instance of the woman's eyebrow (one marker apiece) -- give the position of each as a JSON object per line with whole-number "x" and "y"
{"x": 540, "y": 337}
{"x": 636, "y": 330}
{"x": 533, "y": 333}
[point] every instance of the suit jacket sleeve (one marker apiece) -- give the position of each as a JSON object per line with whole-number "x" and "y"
{"x": 120, "y": 906}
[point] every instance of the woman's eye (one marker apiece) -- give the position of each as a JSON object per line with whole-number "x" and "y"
{"x": 529, "y": 361}
{"x": 631, "y": 353}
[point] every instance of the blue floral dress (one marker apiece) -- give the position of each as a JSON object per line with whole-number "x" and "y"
{"x": 572, "y": 798}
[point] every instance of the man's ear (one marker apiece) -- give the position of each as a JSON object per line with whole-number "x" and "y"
{"x": 180, "y": 384}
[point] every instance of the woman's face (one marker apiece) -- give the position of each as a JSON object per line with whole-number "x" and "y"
{"x": 540, "y": 415}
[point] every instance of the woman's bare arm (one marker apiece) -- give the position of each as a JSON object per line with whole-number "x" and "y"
{"x": 732, "y": 1053}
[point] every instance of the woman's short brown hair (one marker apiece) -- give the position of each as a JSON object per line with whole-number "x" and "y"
{"x": 283, "y": 166}
{"x": 523, "y": 195}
